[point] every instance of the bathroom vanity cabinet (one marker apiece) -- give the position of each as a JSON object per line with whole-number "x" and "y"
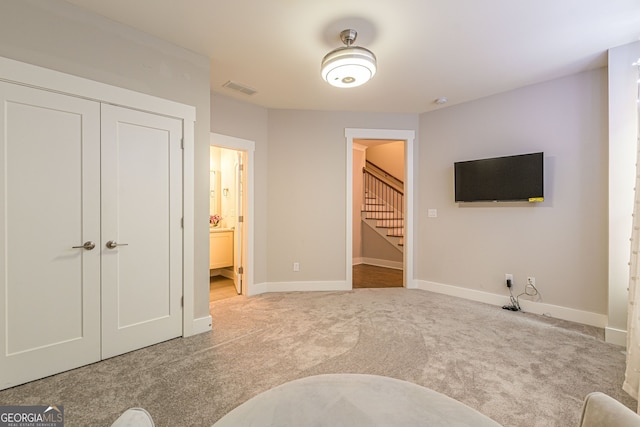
{"x": 220, "y": 248}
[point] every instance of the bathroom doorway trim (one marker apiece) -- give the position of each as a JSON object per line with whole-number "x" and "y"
{"x": 238, "y": 144}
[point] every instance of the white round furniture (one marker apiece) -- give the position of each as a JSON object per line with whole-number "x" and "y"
{"x": 353, "y": 400}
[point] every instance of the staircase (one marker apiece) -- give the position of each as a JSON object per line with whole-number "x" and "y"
{"x": 384, "y": 205}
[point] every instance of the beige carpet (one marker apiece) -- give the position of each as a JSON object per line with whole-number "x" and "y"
{"x": 518, "y": 369}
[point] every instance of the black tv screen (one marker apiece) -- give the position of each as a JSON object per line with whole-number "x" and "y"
{"x": 511, "y": 178}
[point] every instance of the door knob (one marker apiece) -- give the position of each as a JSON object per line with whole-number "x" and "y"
{"x": 88, "y": 245}
{"x": 112, "y": 244}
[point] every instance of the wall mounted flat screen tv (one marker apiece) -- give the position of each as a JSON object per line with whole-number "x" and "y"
{"x": 508, "y": 179}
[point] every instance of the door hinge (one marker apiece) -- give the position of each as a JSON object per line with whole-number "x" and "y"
{"x": 181, "y": 222}
{"x": 182, "y": 301}
{"x": 240, "y": 270}
{"x": 182, "y": 143}
{"x": 241, "y": 218}
{"x": 241, "y": 167}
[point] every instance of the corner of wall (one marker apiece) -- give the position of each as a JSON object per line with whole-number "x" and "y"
{"x": 200, "y": 325}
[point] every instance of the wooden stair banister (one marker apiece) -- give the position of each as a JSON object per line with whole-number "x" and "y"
{"x": 384, "y": 203}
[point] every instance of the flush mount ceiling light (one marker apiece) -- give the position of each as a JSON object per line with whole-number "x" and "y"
{"x": 348, "y": 66}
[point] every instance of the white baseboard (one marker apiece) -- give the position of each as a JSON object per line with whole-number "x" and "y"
{"x": 201, "y": 325}
{"x": 224, "y": 272}
{"x": 564, "y": 313}
{"x": 398, "y": 265}
{"x": 615, "y": 336}
{"x": 261, "y": 288}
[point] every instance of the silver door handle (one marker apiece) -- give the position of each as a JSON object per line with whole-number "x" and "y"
{"x": 112, "y": 244}
{"x": 88, "y": 245}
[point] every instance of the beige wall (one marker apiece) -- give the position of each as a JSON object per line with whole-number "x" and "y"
{"x": 57, "y": 35}
{"x": 562, "y": 242}
{"x": 359, "y": 154}
{"x": 389, "y": 157}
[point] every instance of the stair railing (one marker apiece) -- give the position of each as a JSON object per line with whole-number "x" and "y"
{"x": 385, "y": 187}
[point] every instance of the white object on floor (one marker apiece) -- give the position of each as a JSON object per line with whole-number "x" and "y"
{"x": 601, "y": 410}
{"x": 353, "y": 400}
{"x": 134, "y": 417}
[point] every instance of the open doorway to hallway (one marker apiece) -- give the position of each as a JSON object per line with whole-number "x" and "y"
{"x": 378, "y": 213}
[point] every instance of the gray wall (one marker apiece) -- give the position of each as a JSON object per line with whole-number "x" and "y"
{"x": 246, "y": 121}
{"x": 562, "y": 242}
{"x": 300, "y": 179}
{"x": 307, "y": 190}
{"x": 300, "y": 164}
{"x": 57, "y": 35}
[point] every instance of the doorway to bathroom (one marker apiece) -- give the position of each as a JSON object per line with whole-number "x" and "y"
{"x": 229, "y": 216}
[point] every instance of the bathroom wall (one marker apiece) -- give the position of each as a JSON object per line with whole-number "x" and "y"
{"x": 214, "y": 180}
{"x": 228, "y": 192}
{"x": 223, "y": 185}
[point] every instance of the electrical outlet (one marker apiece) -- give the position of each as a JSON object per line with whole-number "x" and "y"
{"x": 296, "y": 266}
{"x": 508, "y": 279}
{"x": 531, "y": 281}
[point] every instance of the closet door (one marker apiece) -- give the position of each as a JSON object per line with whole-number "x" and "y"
{"x": 141, "y": 229}
{"x": 49, "y": 224}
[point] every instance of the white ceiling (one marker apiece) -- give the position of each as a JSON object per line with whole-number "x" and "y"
{"x": 459, "y": 49}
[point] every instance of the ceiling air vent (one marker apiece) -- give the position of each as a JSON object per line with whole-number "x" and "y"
{"x": 239, "y": 87}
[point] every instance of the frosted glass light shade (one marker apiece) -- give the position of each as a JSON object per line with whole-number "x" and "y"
{"x": 349, "y": 66}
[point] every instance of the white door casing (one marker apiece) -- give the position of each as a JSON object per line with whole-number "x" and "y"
{"x": 50, "y": 192}
{"x": 141, "y": 213}
{"x": 390, "y": 134}
{"x": 247, "y": 147}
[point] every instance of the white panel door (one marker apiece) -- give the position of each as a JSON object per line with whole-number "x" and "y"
{"x": 141, "y": 214}
{"x": 50, "y": 193}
